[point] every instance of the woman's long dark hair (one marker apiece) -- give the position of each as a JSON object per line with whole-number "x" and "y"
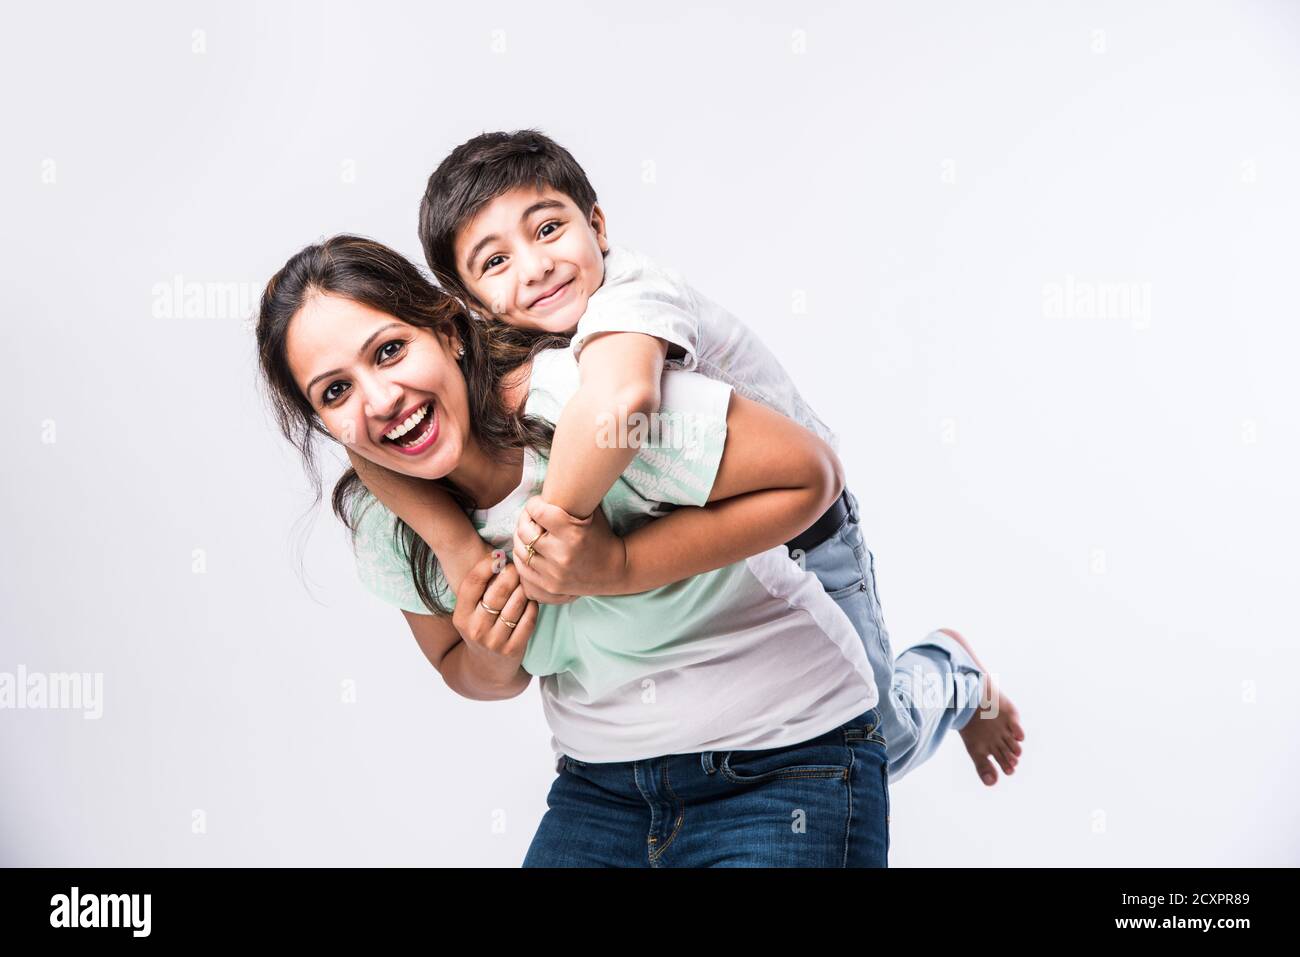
{"x": 374, "y": 275}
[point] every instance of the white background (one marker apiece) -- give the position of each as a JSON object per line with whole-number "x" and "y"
{"x": 1104, "y": 504}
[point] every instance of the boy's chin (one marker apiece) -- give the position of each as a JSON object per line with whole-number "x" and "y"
{"x": 554, "y": 324}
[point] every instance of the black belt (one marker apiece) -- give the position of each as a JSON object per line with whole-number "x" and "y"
{"x": 823, "y": 528}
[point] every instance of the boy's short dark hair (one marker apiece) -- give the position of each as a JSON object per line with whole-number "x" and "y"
{"x": 478, "y": 171}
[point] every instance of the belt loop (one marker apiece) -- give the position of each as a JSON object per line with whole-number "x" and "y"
{"x": 706, "y": 761}
{"x": 852, "y": 503}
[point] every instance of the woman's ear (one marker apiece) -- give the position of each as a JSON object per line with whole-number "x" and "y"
{"x": 451, "y": 341}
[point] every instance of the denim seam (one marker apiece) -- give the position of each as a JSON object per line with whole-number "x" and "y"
{"x": 848, "y": 830}
{"x": 787, "y": 773}
{"x": 884, "y": 779}
{"x": 876, "y": 611}
{"x": 681, "y": 816}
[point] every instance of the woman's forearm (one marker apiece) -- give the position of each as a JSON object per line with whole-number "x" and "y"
{"x": 774, "y": 480}
{"x": 694, "y": 540}
{"x": 472, "y": 676}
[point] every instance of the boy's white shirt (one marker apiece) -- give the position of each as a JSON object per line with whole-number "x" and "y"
{"x": 639, "y": 296}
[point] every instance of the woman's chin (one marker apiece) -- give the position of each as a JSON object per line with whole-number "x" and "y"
{"x": 433, "y": 463}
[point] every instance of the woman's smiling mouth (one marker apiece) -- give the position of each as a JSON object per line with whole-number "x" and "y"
{"x": 417, "y": 433}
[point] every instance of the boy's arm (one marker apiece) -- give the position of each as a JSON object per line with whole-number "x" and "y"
{"x": 431, "y": 512}
{"x": 597, "y": 437}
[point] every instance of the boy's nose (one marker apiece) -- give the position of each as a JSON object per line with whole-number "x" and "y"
{"x": 536, "y": 269}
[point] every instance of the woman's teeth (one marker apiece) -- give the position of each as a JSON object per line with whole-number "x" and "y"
{"x": 411, "y": 423}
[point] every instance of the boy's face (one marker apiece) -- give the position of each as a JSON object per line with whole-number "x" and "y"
{"x": 533, "y": 259}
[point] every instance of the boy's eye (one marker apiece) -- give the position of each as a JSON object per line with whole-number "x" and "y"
{"x": 542, "y": 231}
{"x": 329, "y": 395}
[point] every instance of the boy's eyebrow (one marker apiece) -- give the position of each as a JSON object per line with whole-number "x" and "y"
{"x": 360, "y": 352}
{"x": 540, "y": 204}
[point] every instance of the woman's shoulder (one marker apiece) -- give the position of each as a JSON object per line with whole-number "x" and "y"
{"x": 381, "y": 563}
{"x": 552, "y": 381}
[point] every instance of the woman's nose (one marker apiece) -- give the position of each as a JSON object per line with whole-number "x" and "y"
{"x": 383, "y": 401}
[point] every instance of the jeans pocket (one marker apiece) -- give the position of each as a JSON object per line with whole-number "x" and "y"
{"x": 847, "y": 590}
{"x": 825, "y": 756}
{"x": 838, "y": 564}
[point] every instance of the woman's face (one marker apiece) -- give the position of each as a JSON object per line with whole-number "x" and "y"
{"x": 367, "y": 373}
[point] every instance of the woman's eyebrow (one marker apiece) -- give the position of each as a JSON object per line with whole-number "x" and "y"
{"x": 360, "y": 352}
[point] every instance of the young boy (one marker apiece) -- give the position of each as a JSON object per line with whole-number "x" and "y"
{"x": 510, "y": 224}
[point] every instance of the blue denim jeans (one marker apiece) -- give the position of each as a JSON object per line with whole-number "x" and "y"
{"x": 931, "y": 688}
{"x": 819, "y": 803}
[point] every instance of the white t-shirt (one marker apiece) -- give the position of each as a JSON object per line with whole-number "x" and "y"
{"x": 753, "y": 655}
{"x": 639, "y": 296}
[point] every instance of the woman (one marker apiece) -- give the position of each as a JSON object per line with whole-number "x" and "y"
{"x": 728, "y": 718}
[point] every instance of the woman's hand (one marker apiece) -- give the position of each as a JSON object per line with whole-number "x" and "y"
{"x": 571, "y": 556}
{"x": 494, "y": 617}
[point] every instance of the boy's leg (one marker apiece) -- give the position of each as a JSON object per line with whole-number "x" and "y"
{"x": 967, "y": 701}
{"x": 937, "y": 685}
{"x": 843, "y": 566}
{"x": 933, "y": 687}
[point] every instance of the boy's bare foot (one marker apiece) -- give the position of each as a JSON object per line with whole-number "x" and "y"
{"x": 994, "y": 730}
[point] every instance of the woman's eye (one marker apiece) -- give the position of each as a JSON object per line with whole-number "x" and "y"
{"x": 491, "y": 263}
{"x": 329, "y": 395}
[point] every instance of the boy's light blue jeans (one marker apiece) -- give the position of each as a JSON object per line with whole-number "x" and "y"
{"x": 932, "y": 688}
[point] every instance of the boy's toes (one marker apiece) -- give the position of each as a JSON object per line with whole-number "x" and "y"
{"x": 984, "y": 768}
{"x": 1004, "y": 760}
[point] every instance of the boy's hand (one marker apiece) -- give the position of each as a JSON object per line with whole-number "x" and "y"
{"x": 570, "y": 556}
{"x": 536, "y": 592}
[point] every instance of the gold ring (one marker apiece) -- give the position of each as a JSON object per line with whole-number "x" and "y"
{"x": 529, "y": 560}
{"x": 489, "y": 609}
{"x": 509, "y": 624}
{"x": 537, "y": 539}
